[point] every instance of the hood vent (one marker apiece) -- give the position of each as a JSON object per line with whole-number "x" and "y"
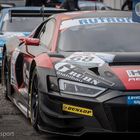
{"x": 95, "y": 70}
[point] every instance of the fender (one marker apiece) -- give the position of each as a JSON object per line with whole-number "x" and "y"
{"x": 12, "y": 43}
{"x": 44, "y": 61}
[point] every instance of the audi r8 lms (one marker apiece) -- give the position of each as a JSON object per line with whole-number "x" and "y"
{"x": 79, "y": 73}
{"x": 20, "y": 22}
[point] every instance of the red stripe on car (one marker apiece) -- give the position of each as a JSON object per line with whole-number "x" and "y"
{"x": 129, "y": 75}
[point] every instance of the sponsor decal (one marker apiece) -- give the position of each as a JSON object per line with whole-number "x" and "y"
{"x": 134, "y": 75}
{"x": 136, "y": 10}
{"x": 13, "y": 62}
{"x": 73, "y": 72}
{"x": 77, "y": 110}
{"x": 133, "y": 100}
{"x": 93, "y": 21}
{"x": 86, "y": 59}
{"x": 130, "y": 76}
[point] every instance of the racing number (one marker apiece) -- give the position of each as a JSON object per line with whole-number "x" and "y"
{"x": 82, "y": 58}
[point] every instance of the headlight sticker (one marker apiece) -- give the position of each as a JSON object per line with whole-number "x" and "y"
{"x": 79, "y": 89}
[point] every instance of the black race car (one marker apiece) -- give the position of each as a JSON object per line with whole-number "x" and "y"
{"x": 79, "y": 72}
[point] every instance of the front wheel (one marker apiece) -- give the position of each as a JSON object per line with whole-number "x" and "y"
{"x": 34, "y": 100}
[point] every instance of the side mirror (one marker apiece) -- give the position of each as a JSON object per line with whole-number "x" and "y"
{"x": 30, "y": 41}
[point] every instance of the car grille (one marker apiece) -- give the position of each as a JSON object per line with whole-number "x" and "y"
{"x": 124, "y": 119}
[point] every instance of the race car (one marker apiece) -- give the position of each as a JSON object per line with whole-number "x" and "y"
{"x": 21, "y": 21}
{"x": 78, "y": 73}
{"x": 6, "y": 5}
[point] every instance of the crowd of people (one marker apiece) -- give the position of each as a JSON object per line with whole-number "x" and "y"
{"x": 70, "y": 5}
{"x": 67, "y": 4}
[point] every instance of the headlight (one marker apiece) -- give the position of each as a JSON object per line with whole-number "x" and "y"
{"x": 75, "y": 88}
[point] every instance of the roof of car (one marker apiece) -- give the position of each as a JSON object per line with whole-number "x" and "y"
{"x": 92, "y": 14}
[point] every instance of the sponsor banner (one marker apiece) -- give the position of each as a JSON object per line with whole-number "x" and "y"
{"x": 136, "y": 10}
{"x": 77, "y": 110}
{"x": 133, "y": 100}
{"x": 94, "y": 21}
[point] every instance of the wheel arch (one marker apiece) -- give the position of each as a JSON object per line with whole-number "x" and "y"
{"x": 32, "y": 67}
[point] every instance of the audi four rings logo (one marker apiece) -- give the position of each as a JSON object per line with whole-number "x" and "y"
{"x": 137, "y": 9}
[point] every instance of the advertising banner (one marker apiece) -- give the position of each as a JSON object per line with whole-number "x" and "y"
{"x": 136, "y": 10}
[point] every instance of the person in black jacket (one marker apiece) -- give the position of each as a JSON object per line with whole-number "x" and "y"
{"x": 35, "y": 2}
{"x": 127, "y": 3}
{"x": 70, "y": 5}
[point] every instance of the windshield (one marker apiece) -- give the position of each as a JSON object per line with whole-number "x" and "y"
{"x": 101, "y": 38}
{"x": 21, "y": 24}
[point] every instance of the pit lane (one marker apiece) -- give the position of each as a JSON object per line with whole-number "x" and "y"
{"x": 15, "y": 126}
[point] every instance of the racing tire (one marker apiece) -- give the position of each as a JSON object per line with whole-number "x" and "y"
{"x": 34, "y": 101}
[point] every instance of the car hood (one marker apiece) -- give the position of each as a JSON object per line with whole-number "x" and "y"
{"x": 6, "y": 35}
{"x": 117, "y": 71}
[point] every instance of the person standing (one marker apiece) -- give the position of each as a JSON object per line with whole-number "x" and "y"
{"x": 70, "y": 5}
{"x": 35, "y": 2}
{"x": 28, "y": 2}
{"x": 127, "y": 3}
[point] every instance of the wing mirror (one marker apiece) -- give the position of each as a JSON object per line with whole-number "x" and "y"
{"x": 30, "y": 41}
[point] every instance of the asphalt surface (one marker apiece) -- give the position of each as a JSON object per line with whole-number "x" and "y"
{"x": 15, "y": 126}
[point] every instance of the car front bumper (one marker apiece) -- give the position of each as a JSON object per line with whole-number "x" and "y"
{"x": 111, "y": 113}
